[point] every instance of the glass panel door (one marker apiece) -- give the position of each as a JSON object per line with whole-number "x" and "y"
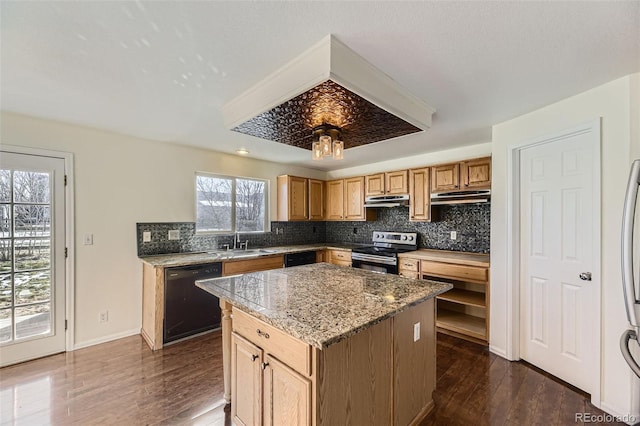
{"x": 29, "y": 296}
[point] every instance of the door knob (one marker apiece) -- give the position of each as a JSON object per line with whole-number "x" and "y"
{"x": 585, "y": 276}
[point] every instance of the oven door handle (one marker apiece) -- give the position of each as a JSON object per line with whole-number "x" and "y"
{"x": 375, "y": 259}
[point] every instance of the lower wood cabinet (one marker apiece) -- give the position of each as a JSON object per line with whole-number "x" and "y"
{"x": 464, "y": 310}
{"x": 382, "y": 375}
{"x": 338, "y": 257}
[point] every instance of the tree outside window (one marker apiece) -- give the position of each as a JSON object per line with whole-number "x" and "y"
{"x": 230, "y": 204}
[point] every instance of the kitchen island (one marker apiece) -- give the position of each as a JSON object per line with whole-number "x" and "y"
{"x": 323, "y": 344}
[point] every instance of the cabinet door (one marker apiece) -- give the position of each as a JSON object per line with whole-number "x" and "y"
{"x": 476, "y": 174}
{"x": 335, "y": 200}
{"x": 354, "y": 198}
{"x": 396, "y": 182}
{"x": 445, "y": 177}
{"x": 246, "y": 382}
{"x": 292, "y": 198}
{"x": 374, "y": 184}
{"x": 316, "y": 199}
{"x": 419, "y": 195}
{"x": 287, "y": 395}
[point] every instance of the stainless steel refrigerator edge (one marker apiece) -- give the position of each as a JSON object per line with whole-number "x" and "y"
{"x": 630, "y": 287}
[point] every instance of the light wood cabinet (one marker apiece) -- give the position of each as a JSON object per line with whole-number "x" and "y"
{"x": 270, "y": 374}
{"x": 387, "y": 183}
{"x": 263, "y": 263}
{"x": 246, "y": 380}
{"x": 469, "y": 174}
{"x": 380, "y": 375}
{"x": 316, "y": 199}
{"x": 345, "y": 200}
{"x": 293, "y": 198}
{"x": 300, "y": 199}
{"x": 419, "y": 195}
{"x": 339, "y": 257}
{"x": 354, "y": 198}
{"x": 334, "y": 200}
{"x": 476, "y": 174}
{"x": 464, "y": 310}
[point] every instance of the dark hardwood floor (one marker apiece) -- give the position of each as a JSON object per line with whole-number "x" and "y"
{"x": 124, "y": 383}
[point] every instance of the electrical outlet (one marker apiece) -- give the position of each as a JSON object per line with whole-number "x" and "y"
{"x": 88, "y": 239}
{"x": 454, "y": 235}
{"x": 104, "y": 316}
{"x": 174, "y": 234}
{"x": 146, "y": 237}
{"x": 416, "y": 332}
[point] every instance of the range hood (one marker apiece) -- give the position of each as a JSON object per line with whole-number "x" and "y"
{"x": 386, "y": 200}
{"x": 461, "y": 197}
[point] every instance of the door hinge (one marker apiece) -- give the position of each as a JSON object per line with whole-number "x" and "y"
{"x": 65, "y": 180}
{"x": 65, "y": 325}
{"x": 66, "y": 252}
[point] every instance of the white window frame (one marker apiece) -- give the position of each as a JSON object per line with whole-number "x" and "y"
{"x": 267, "y": 221}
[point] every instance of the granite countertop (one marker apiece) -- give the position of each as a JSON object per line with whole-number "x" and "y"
{"x": 183, "y": 259}
{"x": 458, "y": 257}
{"x": 322, "y": 304}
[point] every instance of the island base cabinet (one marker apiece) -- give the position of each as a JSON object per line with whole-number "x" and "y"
{"x": 246, "y": 382}
{"x": 287, "y": 395}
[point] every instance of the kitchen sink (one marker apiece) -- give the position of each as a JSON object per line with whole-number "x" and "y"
{"x": 240, "y": 252}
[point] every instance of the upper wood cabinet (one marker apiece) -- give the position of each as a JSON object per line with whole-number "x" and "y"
{"x": 345, "y": 200}
{"x": 387, "y": 183}
{"x": 476, "y": 174}
{"x": 293, "y": 198}
{"x": 316, "y": 199}
{"x": 354, "y": 198}
{"x": 300, "y": 198}
{"x": 419, "y": 195}
{"x": 471, "y": 174}
{"x": 334, "y": 200}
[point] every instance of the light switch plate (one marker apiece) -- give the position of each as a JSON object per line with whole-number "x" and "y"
{"x": 88, "y": 239}
{"x": 416, "y": 332}
{"x": 174, "y": 234}
{"x": 146, "y": 237}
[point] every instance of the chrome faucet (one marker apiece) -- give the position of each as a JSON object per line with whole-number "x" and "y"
{"x": 236, "y": 240}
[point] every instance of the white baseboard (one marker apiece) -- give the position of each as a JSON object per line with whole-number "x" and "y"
{"x": 498, "y": 351}
{"x": 106, "y": 339}
{"x": 628, "y": 418}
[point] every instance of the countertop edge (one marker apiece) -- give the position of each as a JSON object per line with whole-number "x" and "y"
{"x": 457, "y": 257}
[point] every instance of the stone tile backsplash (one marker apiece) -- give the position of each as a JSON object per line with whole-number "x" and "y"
{"x": 470, "y": 221}
{"x": 282, "y": 234}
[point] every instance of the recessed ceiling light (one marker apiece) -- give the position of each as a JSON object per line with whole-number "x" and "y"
{"x": 242, "y": 151}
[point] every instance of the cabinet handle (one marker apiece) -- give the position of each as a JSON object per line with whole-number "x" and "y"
{"x": 262, "y": 334}
{"x": 264, "y": 365}
{"x": 254, "y": 357}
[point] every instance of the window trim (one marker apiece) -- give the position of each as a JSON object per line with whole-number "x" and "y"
{"x": 267, "y": 208}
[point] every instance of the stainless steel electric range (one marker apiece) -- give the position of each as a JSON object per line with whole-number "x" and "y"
{"x": 382, "y": 256}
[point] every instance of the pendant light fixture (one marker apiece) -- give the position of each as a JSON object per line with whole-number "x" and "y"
{"x": 327, "y": 142}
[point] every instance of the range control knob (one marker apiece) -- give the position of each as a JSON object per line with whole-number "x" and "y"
{"x": 404, "y": 238}
{"x": 410, "y": 237}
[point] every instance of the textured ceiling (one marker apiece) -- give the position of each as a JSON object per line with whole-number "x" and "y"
{"x": 163, "y": 70}
{"x": 360, "y": 121}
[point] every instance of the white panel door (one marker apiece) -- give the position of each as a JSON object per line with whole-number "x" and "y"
{"x": 32, "y": 259}
{"x": 556, "y": 245}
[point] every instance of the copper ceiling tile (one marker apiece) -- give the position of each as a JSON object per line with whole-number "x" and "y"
{"x": 292, "y": 122}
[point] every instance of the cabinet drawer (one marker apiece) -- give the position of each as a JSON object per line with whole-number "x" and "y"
{"x": 408, "y": 264}
{"x": 341, "y": 255}
{"x": 410, "y": 274}
{"x": 458, "y": 272}
{"x": 293, "y": 352}
{"x": 252, "y": 265}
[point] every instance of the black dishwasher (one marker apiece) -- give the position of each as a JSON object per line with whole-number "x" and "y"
{"x": 297, "y": 259}
{"x": 189, "y": 310}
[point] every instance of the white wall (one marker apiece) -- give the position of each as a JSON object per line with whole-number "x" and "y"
{"x": 121, "y": 180}
{"x": 617, "y": 103}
